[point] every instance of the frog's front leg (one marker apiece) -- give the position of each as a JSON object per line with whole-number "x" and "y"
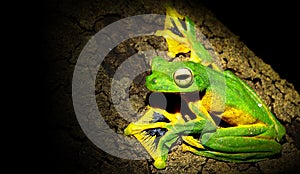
{"x": 172, "y": 135}
{"x": 164, "y": 144}
{"x": 245, "y": 143}
{"x": 174, "y": 127}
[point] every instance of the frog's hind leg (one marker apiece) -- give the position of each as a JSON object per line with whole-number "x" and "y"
{"x": 238, "y": 144}
{"x": 230, "y": 157}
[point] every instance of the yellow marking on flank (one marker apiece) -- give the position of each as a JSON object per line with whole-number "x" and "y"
{"x": 235, "y": 116}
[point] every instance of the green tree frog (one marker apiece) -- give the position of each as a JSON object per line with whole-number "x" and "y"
{"x": 254, "y": 133}
{"x": 251, "y": 132}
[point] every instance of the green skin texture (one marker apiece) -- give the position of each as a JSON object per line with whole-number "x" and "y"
{"x": 242, "y": 143}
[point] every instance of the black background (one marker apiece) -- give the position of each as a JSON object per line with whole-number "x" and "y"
{"x": 270, "y": 30}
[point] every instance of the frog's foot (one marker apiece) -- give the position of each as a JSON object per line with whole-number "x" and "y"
{"x": 157, "y": 143}
{"x": 147, "y": 121}
{"x": 135, "y": 128}
{"x": 152, "y": 119}
{"x": 154, "y": 130}
{"x": 180, "y": 34}
{"x": 174, "y": 33}
{"x": 150, "y": 142}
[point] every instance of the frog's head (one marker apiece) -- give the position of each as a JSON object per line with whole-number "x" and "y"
{"x": 176, "y": 76}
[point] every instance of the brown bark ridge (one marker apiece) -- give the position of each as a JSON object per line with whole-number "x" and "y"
{"x": 69, "y": 28}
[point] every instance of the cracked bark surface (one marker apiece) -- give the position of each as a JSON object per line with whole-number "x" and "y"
{"x": 73, "y": 24}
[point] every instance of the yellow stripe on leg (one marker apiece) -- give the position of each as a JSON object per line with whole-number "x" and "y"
{"x": 186, "y": 148}
{"x": 192, "y": 141}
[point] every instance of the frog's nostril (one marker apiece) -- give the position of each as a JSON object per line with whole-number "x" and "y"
{"x": 154, "y": 81}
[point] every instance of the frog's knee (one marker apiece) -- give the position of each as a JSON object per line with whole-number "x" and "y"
{"x": 206, "y": 138}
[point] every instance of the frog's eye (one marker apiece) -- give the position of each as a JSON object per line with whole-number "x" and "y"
{"x": 183, "y": 77}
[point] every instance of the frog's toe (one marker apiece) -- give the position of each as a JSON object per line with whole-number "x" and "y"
{"x": 129, "y": 129}
{"x": 160, "y": 163}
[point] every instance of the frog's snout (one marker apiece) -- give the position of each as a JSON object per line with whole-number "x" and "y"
{"x": 150, "y": 81}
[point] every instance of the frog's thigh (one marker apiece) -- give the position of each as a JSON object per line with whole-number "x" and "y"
{"x": 240, "y": 139}
{"x": 231, "y": 157}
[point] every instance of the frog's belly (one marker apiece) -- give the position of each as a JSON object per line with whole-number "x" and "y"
{"x": 235, "y": 116}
